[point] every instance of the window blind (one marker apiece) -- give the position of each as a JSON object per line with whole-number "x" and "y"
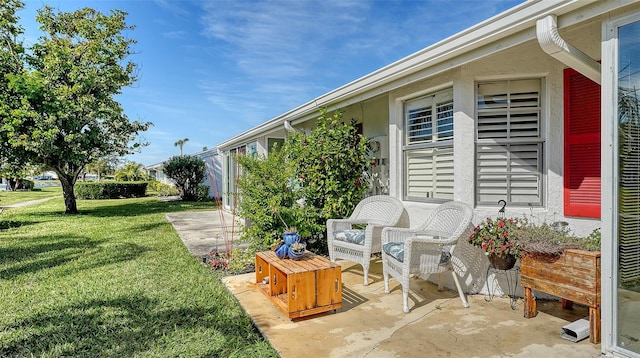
{"x": 430, "y": 173}
{"x": 509, "y": 145}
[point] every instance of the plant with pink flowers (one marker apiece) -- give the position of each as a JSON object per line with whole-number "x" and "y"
{"x": 495, "y": 236}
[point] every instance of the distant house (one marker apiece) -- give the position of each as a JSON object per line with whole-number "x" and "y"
{"x": 156, "y": 171}
{"x": 213, "y": 165}
{"x": 523, "y": 107}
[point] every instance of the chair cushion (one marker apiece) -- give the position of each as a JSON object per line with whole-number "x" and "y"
{"x": 396, "y": 250}
{"x": 353, "y": 236}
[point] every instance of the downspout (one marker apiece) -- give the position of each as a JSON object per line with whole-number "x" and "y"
{"x": 289, "y": 127}
{"x": 554, "y": 45}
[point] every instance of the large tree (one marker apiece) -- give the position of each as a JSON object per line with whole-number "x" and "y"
{"x": 11, "y": 61}
{"x": 68, "y": 115}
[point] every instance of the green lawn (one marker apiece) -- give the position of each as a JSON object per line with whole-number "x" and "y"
{"x": 12, "y": 197}
{"x": 114, "y": 281}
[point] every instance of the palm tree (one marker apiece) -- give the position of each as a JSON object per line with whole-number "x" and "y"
{"x": 180, "y": 143}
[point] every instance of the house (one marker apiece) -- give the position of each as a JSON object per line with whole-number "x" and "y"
{"x": 535, "y": 106}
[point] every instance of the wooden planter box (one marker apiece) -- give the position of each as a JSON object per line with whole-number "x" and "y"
{"x": 574, "y": 277}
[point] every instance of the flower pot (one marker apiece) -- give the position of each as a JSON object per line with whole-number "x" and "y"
{"x": 290, "y": 237}
{"x": 281, "y": 251}
{"x": 502, "y": 262}
{"x": 295, "y": 254}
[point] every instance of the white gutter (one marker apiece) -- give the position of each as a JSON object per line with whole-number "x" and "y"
{"x": 554, "y": 45}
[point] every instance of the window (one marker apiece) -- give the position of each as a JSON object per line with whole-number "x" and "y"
{"x": 233, "y": 172}
{"x": 428, "y": 147}
{"x": 274, "y": 143}
{"x": 627, "y": 208}
{"x": 509, "y": 145}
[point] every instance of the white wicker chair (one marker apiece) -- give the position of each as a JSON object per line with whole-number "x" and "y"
{"x": 376, "y": 212}
{"x": 423, "y": 248}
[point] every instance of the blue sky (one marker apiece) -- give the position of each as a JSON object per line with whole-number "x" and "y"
{"x": 210, "y": 70}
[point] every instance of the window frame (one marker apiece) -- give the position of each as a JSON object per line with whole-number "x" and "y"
{"x": 434, "y": 143}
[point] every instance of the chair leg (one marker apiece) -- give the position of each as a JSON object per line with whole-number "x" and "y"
{"x": 405, "y": 299}
{"x": 440, "y": 287}
{"x": 365, "y": 268}
{"x": 385, "y": 276}
{"x": 462, "y": 297}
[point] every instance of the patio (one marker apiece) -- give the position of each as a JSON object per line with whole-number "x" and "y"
{"x": 372, "y": 324}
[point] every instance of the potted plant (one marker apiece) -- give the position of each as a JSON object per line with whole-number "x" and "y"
{"x": 495, "y": 238}
{"x": 296, "y": 250}
{"x": 290, "y": 245}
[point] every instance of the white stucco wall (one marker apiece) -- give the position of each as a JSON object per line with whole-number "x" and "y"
{"x": 523, "y": 61}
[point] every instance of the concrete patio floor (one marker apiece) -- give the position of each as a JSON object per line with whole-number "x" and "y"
{"x": 371, "y": 323}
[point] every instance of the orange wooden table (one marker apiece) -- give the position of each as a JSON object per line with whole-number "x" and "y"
{"x": 302, "y": 287}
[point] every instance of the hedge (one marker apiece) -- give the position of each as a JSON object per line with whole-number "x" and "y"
{"x": 110, "y": 190}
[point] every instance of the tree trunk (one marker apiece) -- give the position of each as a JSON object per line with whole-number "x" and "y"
{"x": 67, "y": 182}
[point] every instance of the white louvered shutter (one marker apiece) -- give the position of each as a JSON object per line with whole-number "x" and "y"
{"x": 509, "y": 146}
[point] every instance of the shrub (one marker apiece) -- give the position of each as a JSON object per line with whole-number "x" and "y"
{"x": 268, "y": 194}
{"x": 110, "y": 190}
{"x": 25, "y": 184}
{"x": 312, "y": 178}
{"x": 329, "y": 164}
{"x": 187, "y": 172}
{"x": 202, "y": 193}
{"x": 162, "y": 189}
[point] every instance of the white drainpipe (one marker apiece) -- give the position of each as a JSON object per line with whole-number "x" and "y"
{"x": 289, "y": 127}
{"x": 554, "y": 45}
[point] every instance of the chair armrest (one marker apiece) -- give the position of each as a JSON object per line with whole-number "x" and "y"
{"x": 394, "y": 234}
{"x": 434, "y": 237}
{"x": 338, "y": 224}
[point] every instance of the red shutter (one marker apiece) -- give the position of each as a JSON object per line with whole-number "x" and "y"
{"x": 581, "y": 146}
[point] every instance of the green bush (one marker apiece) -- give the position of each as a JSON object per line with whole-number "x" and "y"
{"x": 162, "y": 189}
{"x": 202, "y": 193}
{"x": 268, "y": 201}
{"x": 110, "y": 190}
{"x": 313, "y": 177}
{"x": 25, "y": 184}
{"x": 187, "y": 171}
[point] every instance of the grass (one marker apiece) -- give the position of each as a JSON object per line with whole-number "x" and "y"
{"x": 114, "y": 281}
{"x": 12, "y": 197}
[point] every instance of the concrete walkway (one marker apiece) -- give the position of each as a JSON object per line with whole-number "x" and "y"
{"x": 371, "y": 323}
{"x": 205, "y": 231}
{"x": 27, "y": 203}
